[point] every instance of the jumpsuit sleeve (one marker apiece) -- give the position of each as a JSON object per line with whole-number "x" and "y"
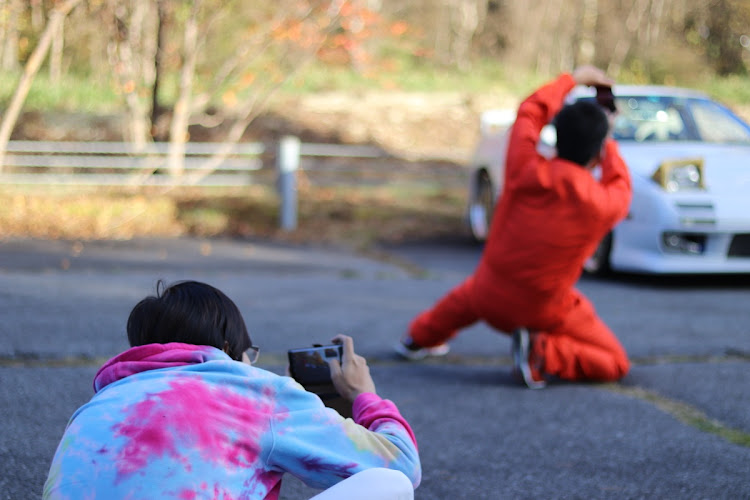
{"x": 616, "y": 193}
{"x": 534, "y": 113}
{"x": 321, "y": 448}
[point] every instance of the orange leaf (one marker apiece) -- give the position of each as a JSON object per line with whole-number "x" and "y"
{"x": 229, "y": 98}
{"x": 399, "y": 28}
{"x": 248, "y": 79}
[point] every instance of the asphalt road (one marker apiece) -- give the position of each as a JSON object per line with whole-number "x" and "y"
{"x": 678, "y": 426}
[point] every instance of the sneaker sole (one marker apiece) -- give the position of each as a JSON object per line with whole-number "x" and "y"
{"x": 521, "y": 359}
{"x": 425, "y": 352}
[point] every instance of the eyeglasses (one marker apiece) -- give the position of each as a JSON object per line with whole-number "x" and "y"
{"x": 252, "y": 353}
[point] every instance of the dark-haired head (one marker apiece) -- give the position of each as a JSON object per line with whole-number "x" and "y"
{"x": 581, "y": 130}
{"x": 192, "y": 313}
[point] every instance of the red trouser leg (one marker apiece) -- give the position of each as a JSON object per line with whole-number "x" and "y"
{"x": 451, "y": 313}
{"x": 583, "y": 347}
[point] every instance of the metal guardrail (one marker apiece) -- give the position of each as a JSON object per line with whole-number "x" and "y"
{"x": 120, "y": 164}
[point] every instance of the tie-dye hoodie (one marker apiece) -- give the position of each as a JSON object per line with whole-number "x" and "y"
{"x": 187, "y": 422}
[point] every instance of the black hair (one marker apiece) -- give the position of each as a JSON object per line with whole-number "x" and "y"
{"x": 581, "y": 130}
{"x": 192, "y": 313}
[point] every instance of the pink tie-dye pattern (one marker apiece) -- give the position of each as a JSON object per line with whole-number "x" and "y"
{"x": 187, "y": 495}
{"x": 150, "y": 357}
{"x": 223, "y": 426}
{"x": 369, "y": 410}
{"x": 218, "y": 494}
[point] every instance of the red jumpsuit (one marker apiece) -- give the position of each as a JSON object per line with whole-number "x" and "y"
{"x": 550, "y": 218}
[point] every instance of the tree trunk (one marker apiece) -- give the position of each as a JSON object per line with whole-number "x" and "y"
{"x": 178, "y": 132}
{"x": 37, "y": 14}
{"x": 5, "y": 28}
{"x": 623, "y": 45}
{"x": 161, "y": 32}
{"x": 467, "y": 16}
{"x": 443, "y": 32}
{"x": 726, "y": 44}
{"x": 56, "y": 18}
{"x": 56, "y": 54}
{"x": 127, "y": 60}
{"x": 10, "y": 38}
{"x": 547, "y": 35}
{"x": 655, "y": 20}
{"x": 587, "y": 36}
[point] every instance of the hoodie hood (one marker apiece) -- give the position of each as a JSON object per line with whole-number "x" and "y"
{"x": 153, "y": 357}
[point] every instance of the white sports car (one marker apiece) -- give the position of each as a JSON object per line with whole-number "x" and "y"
{"x": 689, "y": 159}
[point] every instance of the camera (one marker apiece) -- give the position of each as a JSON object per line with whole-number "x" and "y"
{"x": 605, "y": 98}
{"x": 309, "y": 366}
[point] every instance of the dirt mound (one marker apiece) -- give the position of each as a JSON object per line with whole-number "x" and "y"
{"x": 410, "y": 125}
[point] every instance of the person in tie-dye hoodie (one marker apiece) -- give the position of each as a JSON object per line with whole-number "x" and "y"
{"x": 180, "y": 415}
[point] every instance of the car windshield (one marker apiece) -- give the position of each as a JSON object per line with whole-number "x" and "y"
{"x": 668, "y": 118}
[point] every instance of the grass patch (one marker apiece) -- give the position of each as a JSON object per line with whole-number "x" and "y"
{"x": 686, "y": 414}
{"x": 399, "y": 71}
{"x": 70, "y": 94}
{"x": 61, "y": 215}
{"x": 404, "y": 72}
{"x": 352, "y": 217}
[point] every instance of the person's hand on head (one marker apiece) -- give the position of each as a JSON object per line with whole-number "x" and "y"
{"x": 591, "y": 76}
{"x": 351, "y": 377}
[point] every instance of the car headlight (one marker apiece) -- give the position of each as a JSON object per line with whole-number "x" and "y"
{"x": 680, "y": 175}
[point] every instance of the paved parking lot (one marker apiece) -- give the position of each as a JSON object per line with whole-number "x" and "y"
{"x": 678, "y": 426}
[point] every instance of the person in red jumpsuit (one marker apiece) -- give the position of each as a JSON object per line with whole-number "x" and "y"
{"x": 550, "y": 218}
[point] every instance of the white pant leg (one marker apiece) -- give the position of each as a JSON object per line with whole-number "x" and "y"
{"x": 371, "y": 484}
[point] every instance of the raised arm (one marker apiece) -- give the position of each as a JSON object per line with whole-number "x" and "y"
{"x": 614, "y": 202}
{"x": 533, "y": 114}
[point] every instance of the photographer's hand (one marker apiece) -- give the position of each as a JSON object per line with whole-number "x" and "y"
{"x": 353, "y": 378}
{"x": 591, "y": 76}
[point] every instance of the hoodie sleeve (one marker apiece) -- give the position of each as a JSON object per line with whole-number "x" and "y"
{"x": 320, "y": 447}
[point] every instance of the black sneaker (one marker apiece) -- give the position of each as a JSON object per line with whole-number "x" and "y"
{"x": 520, "y": 353}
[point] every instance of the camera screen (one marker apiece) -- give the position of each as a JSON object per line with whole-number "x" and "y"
{"x": 309, "y": 366}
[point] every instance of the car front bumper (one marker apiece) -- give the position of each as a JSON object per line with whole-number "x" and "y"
{"x": 683, "y": 233}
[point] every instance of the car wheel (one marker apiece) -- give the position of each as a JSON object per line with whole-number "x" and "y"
{"x": 480, "y": 208}
{"x": 598, "y": 263}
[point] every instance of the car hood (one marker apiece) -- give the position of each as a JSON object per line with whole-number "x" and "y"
{"x": 726, "y": 167}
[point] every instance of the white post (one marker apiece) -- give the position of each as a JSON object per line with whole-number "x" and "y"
{"x": 288, "y": 164}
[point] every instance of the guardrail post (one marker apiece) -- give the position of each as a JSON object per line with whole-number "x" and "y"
{"x": 288, "y": 164}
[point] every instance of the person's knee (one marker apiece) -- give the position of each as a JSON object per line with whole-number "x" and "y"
{"x": 623, "y": 367}
{"x": 390, "y": 484}
{"x": 395, "y": 483}
{"x": 622, "y": 363}
{"x": 618, "y": 369}
{"x": 371, "y": 484}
